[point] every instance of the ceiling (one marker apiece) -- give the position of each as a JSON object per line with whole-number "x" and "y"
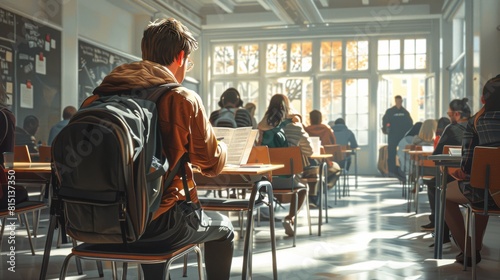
{"x": 213, "y": 14}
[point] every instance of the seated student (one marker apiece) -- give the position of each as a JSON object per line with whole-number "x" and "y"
{"x": 327, "y": 137}
{"x": 231, "y": 113}
{"x": 7, "y": 126}
{"x": 479, "y": 132}
{"x": 324, "y": 132}
{"x": 407, "y": 140}
{"x": 441, "y": 124}
{"x": 425, "y": 136}
{"x": 344, "y": 136}
{"x": 458, "y": 112}
{"x": 184, "y": 126}
{"x": 68, "y": 112}
{"x": 251, "y": 110}
{"x": 26, "y": 134}
{"x": 279, "y": 110}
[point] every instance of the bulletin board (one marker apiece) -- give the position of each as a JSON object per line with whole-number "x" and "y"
{"x": 30, "y": 61}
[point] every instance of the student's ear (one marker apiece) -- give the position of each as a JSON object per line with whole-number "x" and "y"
{"x": 180, "y": 58}
{"x": 482, "y": 99}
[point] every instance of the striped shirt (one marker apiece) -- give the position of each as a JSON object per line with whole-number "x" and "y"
{"x": 241, "y": 117}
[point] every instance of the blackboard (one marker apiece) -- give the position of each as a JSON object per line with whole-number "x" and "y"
{"x": 35, "y": 69}
{"x": 95, "y": 62}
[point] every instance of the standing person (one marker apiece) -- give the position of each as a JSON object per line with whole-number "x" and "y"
{"x": 459, "y": 113}
{"x": 231, "y": 113}
{"x": 396, "y": 122}
{"x": 68, "y": 112}
{"x": 26, "y": 135}
{"x": 251, "y": 110}
{"x": 279, "y": 110}
{"x": 481, "y": 130}
{"x": 184, "y": 126}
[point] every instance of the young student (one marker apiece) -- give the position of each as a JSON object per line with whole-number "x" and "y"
{"x": 344, "y": 136}
{"x": 68, "y": 112}
{"x": 480, "y": 131}
{"x": 280, "y": 110}
{"x": 166, "y": 46}
{"x": 231, "y": 114}
{"x": 26, "y": 135}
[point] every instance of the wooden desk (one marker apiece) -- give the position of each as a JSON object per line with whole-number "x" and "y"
{"x": 445, "y": 161}
{"x": 34, "y": 167}
{"x": 323, "y": 188}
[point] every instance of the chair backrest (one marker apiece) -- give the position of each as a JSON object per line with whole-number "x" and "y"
{"x": 44, "y": 153}
{"x": 336, "y": 151}
{"x": 291, "y": 157}
{"x": 259, "y": 154}
{"x": 486, "y": 170}
{"x": 22, "y": 154}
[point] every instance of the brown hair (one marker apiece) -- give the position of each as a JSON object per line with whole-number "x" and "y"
{"x": 278, "y": 109}
{"x": 163, "y": 39}
{"x": 315, "y": 117}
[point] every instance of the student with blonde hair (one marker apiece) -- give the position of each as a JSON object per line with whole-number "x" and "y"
{"x": 426, "y": 134}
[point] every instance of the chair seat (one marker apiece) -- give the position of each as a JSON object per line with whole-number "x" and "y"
{"x": 140, "y": 251}
{"x": 233, "y": 204}
{"x": 24, "y": 207}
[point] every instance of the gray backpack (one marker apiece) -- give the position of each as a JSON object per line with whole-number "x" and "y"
{"x": 226, "y": 118}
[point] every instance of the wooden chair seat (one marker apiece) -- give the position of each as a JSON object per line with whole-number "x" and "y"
{"x": 141, "y": 253}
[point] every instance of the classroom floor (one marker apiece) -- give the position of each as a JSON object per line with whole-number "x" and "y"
{"x": 369, "y": 235}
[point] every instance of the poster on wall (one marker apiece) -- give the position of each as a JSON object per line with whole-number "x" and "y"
{"x": 95, "y": 63}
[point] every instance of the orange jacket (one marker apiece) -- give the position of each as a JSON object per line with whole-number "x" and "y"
{"x": 324, "y": 132}
{"x": 184, "y": 125}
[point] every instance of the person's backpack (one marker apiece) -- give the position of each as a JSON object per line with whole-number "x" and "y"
{"x": 275, "y": 137}
{"x": 109, "y": 166}
{"x": 226, "y": 118}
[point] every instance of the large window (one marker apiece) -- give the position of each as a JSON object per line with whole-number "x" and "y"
{"x": 415, "y": 52}
{"x": 301, "y": 57}
{"x": 331, "y": 56}
{"x": 356, "y": 55}
{"x": 276, "y": 58}
{"x": 331, "y": 99}
{"x": 356, "y": 96}
{"x": 248, "y": 59}
{"x": 389, "y": 54}
{"x": 223, "y": 60}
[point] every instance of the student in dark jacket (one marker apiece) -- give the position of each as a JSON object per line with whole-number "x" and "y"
{"x": 459, "y": 113}
{"x": 26, "y": 135}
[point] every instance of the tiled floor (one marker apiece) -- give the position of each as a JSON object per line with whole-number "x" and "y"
{"x": 369, "y": 236}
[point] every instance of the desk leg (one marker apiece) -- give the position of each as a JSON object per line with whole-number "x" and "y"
{"x": 438, "y": 246}
{"x": 48, "y": 246}
{"x": 355, "y": 169}
{"x": 248, "y": 244}
{"x": 324, "y": 185}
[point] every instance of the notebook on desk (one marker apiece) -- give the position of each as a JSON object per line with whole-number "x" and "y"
{"x": 239, "y": 143}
